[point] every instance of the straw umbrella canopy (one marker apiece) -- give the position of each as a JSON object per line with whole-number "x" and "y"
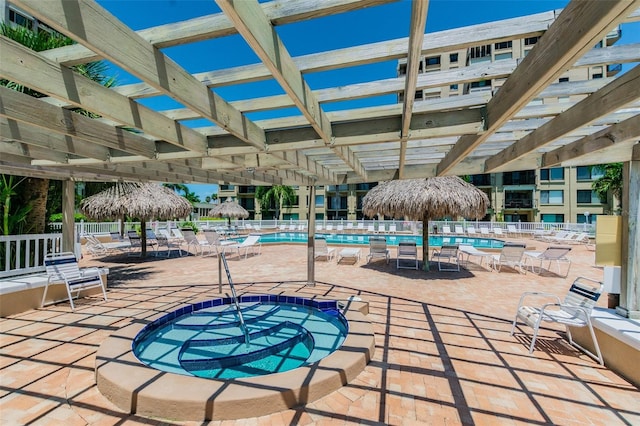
{"x": 141, "y": 200}
{"x": 425, "y": 199}
{"x": 229, "y": 209}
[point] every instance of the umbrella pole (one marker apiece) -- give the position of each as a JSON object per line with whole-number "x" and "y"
{"x": 425, "y": 244}
{"x": 143, "y": 238}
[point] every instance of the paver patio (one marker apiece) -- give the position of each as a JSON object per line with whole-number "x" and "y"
{"x": 443, "y": 350}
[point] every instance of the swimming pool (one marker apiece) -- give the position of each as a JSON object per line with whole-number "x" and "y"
{"x": 392, "y": 240}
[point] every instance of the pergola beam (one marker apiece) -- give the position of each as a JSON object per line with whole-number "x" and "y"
{"x": 609, "y": 98}
{"x": 416, "y": 39}
{"x": 560, "y": 47}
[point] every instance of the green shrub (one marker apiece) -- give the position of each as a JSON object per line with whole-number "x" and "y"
{"x": 189, "y": 225}
{"x": 57, "y": 217}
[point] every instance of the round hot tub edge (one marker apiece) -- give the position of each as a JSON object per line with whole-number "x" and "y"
{"x": 138, "y": 389}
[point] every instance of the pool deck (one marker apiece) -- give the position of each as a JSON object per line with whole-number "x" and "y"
{"x": 443, "y": 350}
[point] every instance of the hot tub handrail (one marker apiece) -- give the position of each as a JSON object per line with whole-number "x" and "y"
{"x": 234, "y": 296}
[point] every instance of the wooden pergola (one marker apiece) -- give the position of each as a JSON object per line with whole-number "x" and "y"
{"x": 477, "y": 132}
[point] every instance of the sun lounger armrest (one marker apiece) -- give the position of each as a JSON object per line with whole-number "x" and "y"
{"x": 538, "y": 294}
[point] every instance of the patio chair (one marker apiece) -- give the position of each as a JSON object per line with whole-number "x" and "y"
{"x": 446, "y": 230}
{"x": 378, "y": 249}
{"x": 292, "y": 227}
{"x": 321, "y": 250}
{"x": 471, "y": 231}
{"x": 407, "y": 251}
{"x": 349, "y": 227}
{"x": 469, "y": 250}
{"x": 497, "y": 231}
{"x": 447, "y": 255}
{"x": 459, "y": 230}
{"x": 393, "y": 228}
{"x": 329, "y": 227}
{"x": 165, "y": 238}
{"x": 192, "y": 241}
{"x": 152, "y": 240}
{"x": 484, "y": 231}
{"x": 551, "y": 254}
{"x": 63, "y": 267}
{"x": 216, "y": 242}
{"x": 251, "y": 243}
{"x": 512, "y": 231}
{"x": 382, "y": 228}
{"x": 512, "y": 255}
{"x": 371, "y": 229}
{"x": 340, "y": 228}
{"x": 360, "y": 227}
{"x": 135, "y": 242}
{"x": 282, "y": 227}
{"x": 574, "y": 311}
{"x": 318, "y": 227}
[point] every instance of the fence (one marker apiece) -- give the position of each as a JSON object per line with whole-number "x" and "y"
{"x": 24, "y": 254}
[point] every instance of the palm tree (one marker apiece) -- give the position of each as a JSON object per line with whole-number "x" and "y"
{"x": 610, "y": 182}
{"x": 34, "y": 191}
{"x": 279, "y": 195}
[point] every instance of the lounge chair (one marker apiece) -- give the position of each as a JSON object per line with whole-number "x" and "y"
{"x": 471, "y": 231}
{"x": 329, "y": 227}
{"x": 378, "y": 249}
{"x": 292, "y": 227}
{"x": 282, "y": 227}
{"x": 393, "y": 228}
{"x": 512, "y": 231}
{"x": 360, "y": 227}
{"x": 215, "y": 241}
{"x": 484, "y": 231}
{"x": 340, "y": 228}
{"x": 251, "y": 243}
{"x": 469, "y": 251}
{"x": 574, "y": 311}
{"x": 512, "y": 255}
{"x": 349, "y": 227}
{"x": 459, "y": 230}
{"x": 448, "y": 253}
{"x": 165, "y": 238}
{"x": 407, "y": 251}
{"x": 551, "y": 254}
{"x": 321, "y": 250}
{"x": 135, "y": 242}
{"x": 63, "y": 267}
{"x": 382, "y": 228}
{"x": 192, "y": 241}
{"x": 497, "y": 231}
{"x": 318, "y": 227}
{"x": 446, "y": 230}
{"x": 371, "y": 229}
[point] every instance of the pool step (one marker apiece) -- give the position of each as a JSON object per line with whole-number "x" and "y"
{"x": 225, "y": 316}
{"x": 212, "y": 354}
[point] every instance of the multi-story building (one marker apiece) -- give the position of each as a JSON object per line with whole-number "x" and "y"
{"x": 549, "y": 195}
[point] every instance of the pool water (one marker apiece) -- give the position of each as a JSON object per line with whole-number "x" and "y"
{"x": 392, "y": 240}
{"x": 205, "y": 340}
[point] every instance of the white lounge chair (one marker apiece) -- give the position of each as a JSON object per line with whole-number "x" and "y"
{"x": 393, "y": 228}
{"x": 484, "y": 231}
{"x": 217, "y": 243}
{"x": 459, "y": 230}
{"x": 448, "y": 253}
{"x": 407, "y": 251}
{"x": 382, "y": 229}
{"x": 574, "y": 311}
{"x": 321, "y": 250}
{"x": 349, "y": 227}
{"x": 378, "y": 249}
{"x": 292, "y": 227}
{"x": 551, "y": 254}
{"x": 446, "y": 230}
{"x": 360, "y": 227}
{"x": 340, "y": 228}
{"x": 512, "y": 255}
{"x": 329, "y": 227}
{"x": 471, "y": 230}
{"x": 497, "y": 231}
{"x": 251, "y": 243}
{"x": 193, "y": 241}
{"x": 63, "y": 267}
{"x": 371, "y": 229}
{"x": 469, "y": 251}
{"x": 512, "y": 231}
{"x": 170, "y": 242}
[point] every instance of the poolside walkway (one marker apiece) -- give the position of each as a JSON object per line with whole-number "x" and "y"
{"x": 443, "y": 350}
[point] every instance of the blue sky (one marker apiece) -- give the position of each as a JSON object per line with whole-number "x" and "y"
{"x": 332, "y": 32}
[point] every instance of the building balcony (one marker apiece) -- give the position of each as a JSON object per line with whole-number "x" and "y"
{"x": 518, "y": 204}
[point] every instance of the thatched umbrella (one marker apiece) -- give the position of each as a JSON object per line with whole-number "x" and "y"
{"x": 425, "y": 199}
{"x": 229, "y": 209}
{"x": 142, "y": 200}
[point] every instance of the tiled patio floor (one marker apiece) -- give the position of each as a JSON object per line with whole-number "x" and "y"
{"x": 443, "y": 350}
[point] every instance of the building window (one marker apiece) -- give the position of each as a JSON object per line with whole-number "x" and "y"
{"x": 453, "y": 57}
{"x": 555, "y": 196}
{"x": 453, "y": 87}
{"x": 20, "y": 19}
{"x": 530, "y": 41}
{"x": 556, "y": 173}
{"x": 433, "y": 61}
{"x": 552, "y": 218}
{"x": 320, "y": 201}
{"x": 481, "y": 51}
{"x": 589, "y": 173}
{"x": 563, "y": 80}
{"x": 501, "y": 56}
{"x": 482, "y": 83}
{"x": 587, "y": 196}
{"x": 503, "y": 45}
{"x": 582, "y": 218}
{"x": 598, "y": 75}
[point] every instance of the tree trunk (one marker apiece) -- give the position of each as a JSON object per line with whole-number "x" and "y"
{"x": 35, "y": 193}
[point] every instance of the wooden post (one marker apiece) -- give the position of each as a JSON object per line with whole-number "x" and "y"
{"x": 311, "y": 231}
{"x": 68, "y": 216}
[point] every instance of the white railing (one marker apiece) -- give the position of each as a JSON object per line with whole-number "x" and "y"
{"x": 24, "y": 254}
